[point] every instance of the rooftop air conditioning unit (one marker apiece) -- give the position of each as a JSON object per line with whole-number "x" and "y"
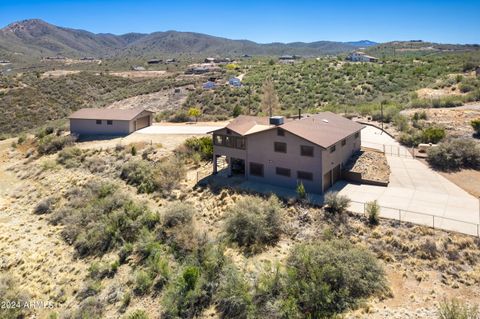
{"x": 276, "y": 120}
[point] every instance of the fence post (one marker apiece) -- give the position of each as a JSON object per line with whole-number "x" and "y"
{"x": 478, "y": 230}
{"x": 364, "y": 208}
{"x": 197, "y": 177}
{"x": 433, "y": 219}
{"x": 384, "y": 152}
{"x": 399, "y": 216}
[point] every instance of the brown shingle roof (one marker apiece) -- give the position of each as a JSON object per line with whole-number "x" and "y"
{"x": 107, "y": 114}
{"x": 245, "y": 124}
{"x": 323, "y": 129}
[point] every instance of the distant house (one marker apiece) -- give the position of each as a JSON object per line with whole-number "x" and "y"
{"x": 311, "y": 150}
{"x": 209, "y": 85}
{"x": 138, "y": 68}
{"x": 92, "y": 121}
{"x": 287, "y": 59}
{"x": 154, "y": 61}
{"x": 209, "y": 60}
{"x": 169, "y": 61}
{"x": 88, "y": 58}
{"x": 361, "y": 57}
{"x": 236, "y": 82}
{"x": 4, "y": 62}
{"x": 197, "y": 70}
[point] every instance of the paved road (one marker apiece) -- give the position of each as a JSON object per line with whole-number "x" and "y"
{"x": 417, "y": 188}
{"x": 188, "y": 129}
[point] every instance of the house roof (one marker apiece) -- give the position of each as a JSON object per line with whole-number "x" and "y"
{"x": 107, "y": 114}
{"x": 323, "y": 129}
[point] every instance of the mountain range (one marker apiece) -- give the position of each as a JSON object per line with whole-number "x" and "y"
{"x": 37, "y": 38}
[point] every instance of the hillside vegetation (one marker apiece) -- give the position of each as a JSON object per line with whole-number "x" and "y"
{"x": 333, "y": 84}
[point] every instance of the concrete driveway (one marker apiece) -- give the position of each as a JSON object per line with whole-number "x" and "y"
{"x": 414, "y": 187}
{"x": 188, "y": 129}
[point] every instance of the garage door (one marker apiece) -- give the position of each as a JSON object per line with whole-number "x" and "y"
{"x": 142, "y": 122}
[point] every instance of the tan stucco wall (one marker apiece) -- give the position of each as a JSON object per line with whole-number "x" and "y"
{"x": 260, "y": 149}
{"x": 87, "y": 127}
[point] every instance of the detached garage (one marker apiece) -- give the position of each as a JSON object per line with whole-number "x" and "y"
{"x": 109, "y": 121}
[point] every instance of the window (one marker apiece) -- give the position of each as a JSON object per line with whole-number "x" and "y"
{"x": 218, "y": 139}
{"x": 256, "y": 169}
{"x": 280, "y": 147}
{"x": 344, "y": 141}
{"x": 229, "y": 141}
{"x": 240, "y": 143}
{"x": 332, "y": 149}
{"x": 306, "y": 150}
{"x": 357, "y": 135}
{"x": 280, "y": 132}
{"x": 282, "y": 171}
{"x": 305, "y": 175}
{"x": 109, "y": 122}
{"x": 99, "y": 122}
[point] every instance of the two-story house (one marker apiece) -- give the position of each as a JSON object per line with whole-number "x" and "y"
{"x": 311, "y": 150}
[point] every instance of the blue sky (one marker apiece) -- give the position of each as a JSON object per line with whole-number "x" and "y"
{"x": 264, "y": 21}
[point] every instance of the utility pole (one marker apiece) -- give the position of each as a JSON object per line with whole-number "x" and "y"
{"x": 381, "y": 110}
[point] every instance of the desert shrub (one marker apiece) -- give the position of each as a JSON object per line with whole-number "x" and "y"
{"x": 177, "y": 214}
{"x": 476, "y": 126}
{"x": 455, "y": 154}
{"x": 45, "y": 206}
{"x": 410, "y": 139}
{"x": 179, "y": 117}
{"x": 9, "y": 292}
{"x": 373, "y": 212}
{"x": 254, "y": 222}
{"x": 327, "y": 278}
{"x": 428, "y": 249}
{"x": 143, "y": 282}
{"x": 233, "y": 299}
{"x": 401, "y": 122}
{"x": 466, "y": 87}
{"x": 148, "y": 177}
{"x": 336, "y": 204}
{"x": 51, "y": 144}
{"x": 200, "y": 145}
{"x": 419, "y": 116}
{"x": 97, "y": 217}
{"x": 137, "y": 314}
{"x": 455, "y": 309}
{"x": 301, "y": 193}
{"x": 91, "y": 308}
{"x": 433, "y": 135}
{"x": 70, "y": 157}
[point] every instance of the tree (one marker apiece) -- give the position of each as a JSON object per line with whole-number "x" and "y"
{"x": 195, "y": 112}
{"x": 269, "y": 98}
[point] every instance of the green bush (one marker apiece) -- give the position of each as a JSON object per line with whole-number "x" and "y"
{"x": 137, "y": 314}
{"x": 324, "y": 279}
{"x": 301, "y": 193}
{"x": 433, "y": 135}
{"x": 51, "y": 144}
{"x": 455, "y": 154}
{"x": 149, "y": 177}
{"x": 233, "y": 299}
{"x": 143, "y": 282}
{"x": 476, "y": 126}
{"x": 70, "y": 157}
{"x": 336, "y": 204}
{"x": 455, "y": 309}
{"x": 254, "y": 222}
{"x": 373, "y": 211}
{"x": 201, "y": 145}
{"x": 177, "y": 214}
{"x": 97, "y": 217}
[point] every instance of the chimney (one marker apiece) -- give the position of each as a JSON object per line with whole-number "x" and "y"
{"x": 276, "y": 120}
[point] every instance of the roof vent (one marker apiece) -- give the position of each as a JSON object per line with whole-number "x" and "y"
{"x": 276, "y": 120}
{"x": 325, "y": 120}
